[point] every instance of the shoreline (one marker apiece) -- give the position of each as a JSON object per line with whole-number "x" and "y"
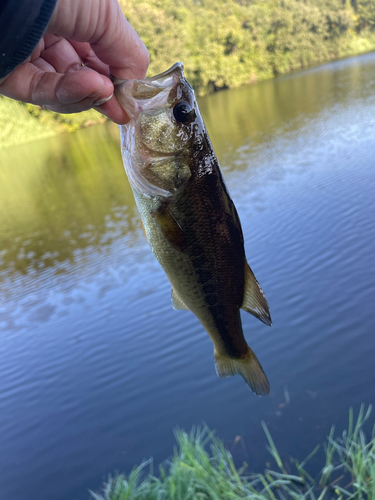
{"x": 22, "y": 123}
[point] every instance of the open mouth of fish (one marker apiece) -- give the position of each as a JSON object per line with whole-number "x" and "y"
{"x": 154, "y": 93}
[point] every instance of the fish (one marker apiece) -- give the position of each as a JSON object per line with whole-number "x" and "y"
{"x": 189, "y": 218}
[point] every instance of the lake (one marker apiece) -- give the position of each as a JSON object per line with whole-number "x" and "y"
{"x": 97, "y": 369}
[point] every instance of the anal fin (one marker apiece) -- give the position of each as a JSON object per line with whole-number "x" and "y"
{"x": 254, "y": 301}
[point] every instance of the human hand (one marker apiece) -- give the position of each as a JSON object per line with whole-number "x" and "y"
{"x": 85, "y": 42}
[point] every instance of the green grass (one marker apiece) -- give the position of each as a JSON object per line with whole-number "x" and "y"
{"x": 202, "y": 469}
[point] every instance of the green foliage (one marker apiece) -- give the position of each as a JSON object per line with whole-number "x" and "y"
{"x": 223, "y": 44}
{"x": 365, "y": 14}
{"x": 228, "y": 43}
{"x": 196, "y": 473}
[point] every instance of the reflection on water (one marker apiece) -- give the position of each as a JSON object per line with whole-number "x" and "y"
{"x": 95, "y": 366}
{"x": 275, "y": 107}
{"x": 61, "y": 195}
{"x": 62, "y": 201}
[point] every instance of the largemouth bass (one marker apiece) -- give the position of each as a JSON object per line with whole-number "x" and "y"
{"x": 189, "y": 218}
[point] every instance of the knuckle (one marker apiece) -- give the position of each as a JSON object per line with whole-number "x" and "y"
{"x": 72, "y": 68}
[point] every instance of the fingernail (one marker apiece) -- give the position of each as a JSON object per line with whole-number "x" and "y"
{"x": 99, "y": 102}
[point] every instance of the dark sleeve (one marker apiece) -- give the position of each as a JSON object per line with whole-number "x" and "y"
{"x": 22, "y": 24}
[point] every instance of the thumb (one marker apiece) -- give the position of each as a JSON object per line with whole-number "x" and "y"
{"x": 104, "y": 26}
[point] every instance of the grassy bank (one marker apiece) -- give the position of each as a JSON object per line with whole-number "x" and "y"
{"x": 196, "y": 473}
{"x": 223, "y": 44}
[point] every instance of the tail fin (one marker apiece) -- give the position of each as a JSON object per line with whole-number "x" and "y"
{"x": 248, "y": 367}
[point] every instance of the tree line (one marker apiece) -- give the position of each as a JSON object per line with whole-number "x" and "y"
{"x": 223, "y": 44}
{"x": 227, "y": 43}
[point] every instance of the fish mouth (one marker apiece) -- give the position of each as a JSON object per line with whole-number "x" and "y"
{"x": 162, "y": 79}
{"x": 133, "y": 94}
{"x": 178, "y": 67}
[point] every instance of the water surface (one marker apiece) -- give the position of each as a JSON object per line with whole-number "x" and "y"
{"x": 97, "y": 369}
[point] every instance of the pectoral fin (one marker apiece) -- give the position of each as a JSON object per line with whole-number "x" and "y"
{"x": 254, "y": 301}
{"x": 171, "y": 228}
{"x": 144, "y": 230}
{"x": 177, "y": 302}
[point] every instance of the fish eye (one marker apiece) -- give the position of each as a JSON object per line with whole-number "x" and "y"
{"x": 184, "y": 113}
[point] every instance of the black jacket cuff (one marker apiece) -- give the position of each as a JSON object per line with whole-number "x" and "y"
{"x": 22, "y": 24}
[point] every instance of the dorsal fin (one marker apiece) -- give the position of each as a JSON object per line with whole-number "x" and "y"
{"x": 177, "y": 302}
{"x": 254, "y": 300}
